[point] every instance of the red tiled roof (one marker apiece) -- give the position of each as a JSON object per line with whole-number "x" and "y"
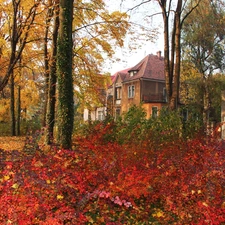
{"x": 151, "y": 67}
{"x": 121, "y": 73}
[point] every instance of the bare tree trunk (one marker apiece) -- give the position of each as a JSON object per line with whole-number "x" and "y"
{"x": 176, "y": 81}
{"x": 46, "y": 60}
{"x": 166, "y": 49}
{"x": 50, "y": 117}
{"x": 12, "y": 106}
{"x": 18, "y": 111}
{"x": 206, "y": 106}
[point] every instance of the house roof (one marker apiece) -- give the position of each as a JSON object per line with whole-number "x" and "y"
{"x": 121, "y": 73}
{"x": 151, "y": 67}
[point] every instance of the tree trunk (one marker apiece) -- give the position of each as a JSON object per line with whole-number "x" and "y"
{"x": 64, "y": 71}
{"x": 12, "y": 106}
{"x": 166, "y": 50}
{"x": 172, "y": 53}
{"x": 206, "y": 106}
{"x": 176, "y": 78}
{"x": 18, "y": 111}
{"x": 50, "y": 118}
{"x": 46, "y": 60}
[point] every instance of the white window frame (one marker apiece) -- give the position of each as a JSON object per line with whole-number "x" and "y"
{"x": 131, "y": 91}
{"x": 118, "y": 93}
{"x": 100, "y": 115}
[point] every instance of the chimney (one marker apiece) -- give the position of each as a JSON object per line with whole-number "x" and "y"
{"x": 158, "y": 54}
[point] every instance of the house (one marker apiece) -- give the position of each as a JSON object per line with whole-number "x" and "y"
{"x": 96, "y": 102}
{"x": 144, "y": 83}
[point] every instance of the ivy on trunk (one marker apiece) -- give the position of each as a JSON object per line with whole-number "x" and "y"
{"x": 64, "y": 73}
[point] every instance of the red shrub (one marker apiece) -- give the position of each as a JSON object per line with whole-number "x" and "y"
{"x": 106, "y": 183}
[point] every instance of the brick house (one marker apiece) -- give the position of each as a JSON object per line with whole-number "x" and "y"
{"x": 144, "y": 83}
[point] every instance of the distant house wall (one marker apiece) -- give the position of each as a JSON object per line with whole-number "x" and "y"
{"x": 85, "y": 115}
{"x": 129, "y": 101}
{"x": 149, "y": 107}
{"x": 97, "y": 114}
{"x": 88, "y": 113}
{"x": 144, "y": 83}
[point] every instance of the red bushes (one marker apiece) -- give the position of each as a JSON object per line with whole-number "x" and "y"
{"x": 106, "y": 183}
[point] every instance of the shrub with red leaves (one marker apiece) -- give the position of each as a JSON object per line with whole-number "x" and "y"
{"x": 102, "y": 182}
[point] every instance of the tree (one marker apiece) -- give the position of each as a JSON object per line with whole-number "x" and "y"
{"x": 64, "y": 73}
{"x": 12, "y": 105}
{"x": 172, "y": 47}
{"x": 95, "y": 34}
{"x": 20, "y": 27}
{"x": 51, "y": 89}
{"x": 202, "y": 44}
{"x": 16, "y": 21}
{"x": 49, "y": 16}
{"x": 173, "y": 14}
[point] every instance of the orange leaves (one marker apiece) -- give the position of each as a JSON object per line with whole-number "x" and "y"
{"x": 12, "y": 143}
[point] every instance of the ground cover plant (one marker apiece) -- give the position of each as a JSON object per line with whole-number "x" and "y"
{"x": 106, "y": 181}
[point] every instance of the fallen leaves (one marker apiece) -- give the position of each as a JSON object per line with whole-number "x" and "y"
{"x": 12, "y": 143}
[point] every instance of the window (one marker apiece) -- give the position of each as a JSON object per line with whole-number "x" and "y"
{"x": 154, "y": 111}
{"x": 117, "y": 113}
{"x": 131, "y": 91}
{"x": 132, "y": 72}
{"x": 101, "y": 115}
{"x": 164, "y": 95}
{"x": 118, "y": 93}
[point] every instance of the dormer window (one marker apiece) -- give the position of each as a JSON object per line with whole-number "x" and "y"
{"x": 132, "y": 72}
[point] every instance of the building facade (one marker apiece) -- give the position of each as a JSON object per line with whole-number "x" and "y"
{"x": 142, "y": 84}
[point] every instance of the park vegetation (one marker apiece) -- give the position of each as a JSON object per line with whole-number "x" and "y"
{"x": 132, "y": 170}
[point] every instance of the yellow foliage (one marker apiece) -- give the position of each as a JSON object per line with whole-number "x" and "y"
{"x": 4, "y": 110}
{"x": 6, "y": 177}
{"x": 15, "y": 186}
{"x": 59, "y": 197}
{"x": 9, "y": 143}
{"x": 158, "y": 213}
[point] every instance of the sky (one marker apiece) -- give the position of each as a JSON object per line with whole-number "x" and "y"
{"x": 131, "y": 58}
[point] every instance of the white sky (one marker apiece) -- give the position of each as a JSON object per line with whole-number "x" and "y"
{"x": 127, "y": 58}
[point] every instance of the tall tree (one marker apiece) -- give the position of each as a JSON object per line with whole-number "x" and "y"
{"x": 172, "y": 47}
{"x": 51, "y": 99}
{"x": 19, "y": 28}
{"x": 12, "y": 105}
{"x": 18, "y": 110}
{"x": 96, "y": 35}
{"x": 173, "y": 14}
{"x": 49, "y": 16}
{"x": 64, "y": 73}
{"x": 203, "y": 45}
